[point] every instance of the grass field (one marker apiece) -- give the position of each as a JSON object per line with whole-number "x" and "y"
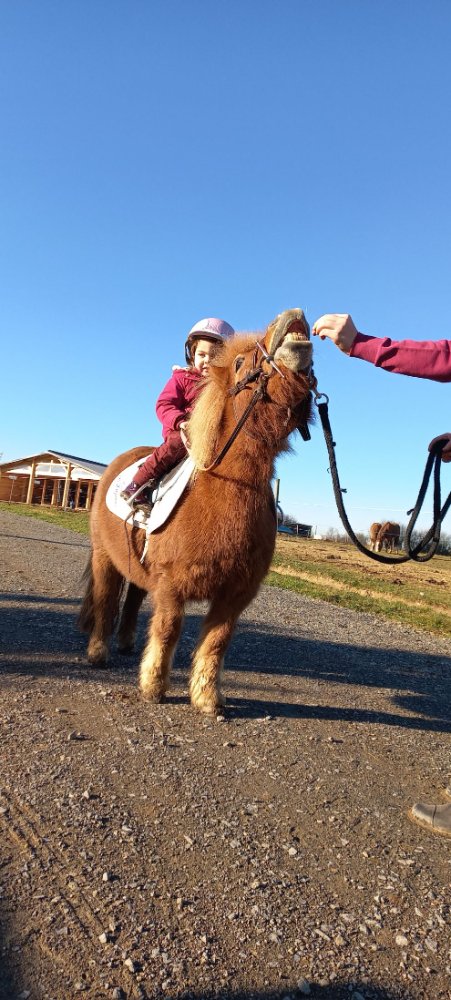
{"x": 412, "y": 593}
{"x": 417, "y": 594}
{"x": 74, "y": 520}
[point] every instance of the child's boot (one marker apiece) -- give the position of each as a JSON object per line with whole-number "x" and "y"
{"x": 139, "y": 497}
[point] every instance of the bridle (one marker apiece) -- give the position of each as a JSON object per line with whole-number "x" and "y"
{"x": 254, "y": 375}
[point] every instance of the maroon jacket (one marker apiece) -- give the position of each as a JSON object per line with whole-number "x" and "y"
{"x": 176, "y": 400}
{"x": 420, "y": 358}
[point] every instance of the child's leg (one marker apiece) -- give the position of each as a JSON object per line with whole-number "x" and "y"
{"x": 162, "y": 459}
{"x": 156, "y": 465}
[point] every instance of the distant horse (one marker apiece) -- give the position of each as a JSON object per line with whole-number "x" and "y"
{"x": 374, "y": 531}
{"x": 218, "y": 542}
{"x": 388, "y": 536}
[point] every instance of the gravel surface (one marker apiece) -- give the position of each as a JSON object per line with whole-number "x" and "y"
{"x": 147, "y": 851}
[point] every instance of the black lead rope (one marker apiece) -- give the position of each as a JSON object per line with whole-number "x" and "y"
{"x": 431, "y": 538}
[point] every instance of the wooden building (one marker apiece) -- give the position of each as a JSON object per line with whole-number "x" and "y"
{"x": 52, "y": 479}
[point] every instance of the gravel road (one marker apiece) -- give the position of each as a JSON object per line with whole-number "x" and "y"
{"x": 148, "y": 852}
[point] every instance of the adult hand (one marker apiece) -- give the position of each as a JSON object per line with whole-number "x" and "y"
{"x": 338, "y": 327}
{"x": 446, "y": 453}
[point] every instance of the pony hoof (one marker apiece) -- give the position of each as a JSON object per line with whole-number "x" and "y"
{"x": 216, "y": 707}
{"x": 154, "y": 697}
{"x": 126, "y": 649}
{"x": 97, "y": 655}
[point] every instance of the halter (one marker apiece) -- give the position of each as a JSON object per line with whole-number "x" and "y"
{"x": 256, "y": 374}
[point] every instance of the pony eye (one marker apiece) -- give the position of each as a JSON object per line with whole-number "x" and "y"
{"x": 238, "y": 363}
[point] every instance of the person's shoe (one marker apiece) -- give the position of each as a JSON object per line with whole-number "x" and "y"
{"x": 128, "y": 492}
{"x": 139, "y": 497}
{"x": 434, "y": 818}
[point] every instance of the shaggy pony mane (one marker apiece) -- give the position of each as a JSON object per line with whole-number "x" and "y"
{"x": 206, "y": 419}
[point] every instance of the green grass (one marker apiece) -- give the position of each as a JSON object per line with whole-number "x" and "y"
{"x": 411, "y": 593}
{"x": 424, "y": 618}
{"x": 364, "y": 577}
{"x": 74, "y": 520}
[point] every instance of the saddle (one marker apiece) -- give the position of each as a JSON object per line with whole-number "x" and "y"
{"x": 167, "y": 494}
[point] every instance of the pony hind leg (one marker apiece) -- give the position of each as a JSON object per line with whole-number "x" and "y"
{"x": 100, "y": 605}
{"x": 129, "y": 617}
{"x": 205, "y": 680}
{"x": 164, "y": 632}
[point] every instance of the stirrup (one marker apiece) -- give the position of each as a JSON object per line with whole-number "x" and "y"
{"x": 137, "y": 502}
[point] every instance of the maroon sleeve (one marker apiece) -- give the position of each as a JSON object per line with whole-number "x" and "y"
{"x": 171, "y": 403}
{"x": 419, "y": 358}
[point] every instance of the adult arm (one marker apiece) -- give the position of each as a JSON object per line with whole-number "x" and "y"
{"x": 419, "y": 358}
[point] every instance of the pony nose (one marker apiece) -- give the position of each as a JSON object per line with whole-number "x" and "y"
{"x": 295, "y": 355}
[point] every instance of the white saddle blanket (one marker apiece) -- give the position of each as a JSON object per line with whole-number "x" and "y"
{"x": 165, "y": 497}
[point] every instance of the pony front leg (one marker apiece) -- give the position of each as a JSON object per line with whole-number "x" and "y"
{"x": 205, "y": 680}
{"x": 163, "y": 636}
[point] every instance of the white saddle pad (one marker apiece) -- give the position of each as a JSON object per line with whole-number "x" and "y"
{"x": 165, "y": 497}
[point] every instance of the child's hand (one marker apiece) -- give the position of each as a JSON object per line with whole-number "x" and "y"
{"x": 183, "y": 434}
{"x": 338, "y": 327}
{"x": 446, "y": 453}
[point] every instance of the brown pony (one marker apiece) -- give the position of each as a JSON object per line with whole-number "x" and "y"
{"x": 388, "y": 536}
{"x": 218, "y": 543}
{"x": 374, "y": 531}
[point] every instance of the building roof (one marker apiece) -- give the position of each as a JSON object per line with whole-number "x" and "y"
{"x": 86, "y": 464}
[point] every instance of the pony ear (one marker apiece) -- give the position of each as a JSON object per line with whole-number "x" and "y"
{"x": 280, "y": 326}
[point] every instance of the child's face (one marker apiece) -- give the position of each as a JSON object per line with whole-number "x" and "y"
{"x": 205, "y": 351}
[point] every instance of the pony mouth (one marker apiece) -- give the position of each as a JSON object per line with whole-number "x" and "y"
{"x": 290, "y": 341}
{"x": 289, "y": 327}
{"x": 296, "y": 333}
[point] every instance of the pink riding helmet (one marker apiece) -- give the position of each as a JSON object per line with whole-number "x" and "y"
{"x": 208, "y": 329}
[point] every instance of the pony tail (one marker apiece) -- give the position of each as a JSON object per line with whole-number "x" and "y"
{"x": 85, "y": 620}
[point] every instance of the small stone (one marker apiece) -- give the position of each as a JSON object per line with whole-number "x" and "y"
{"x": 104, "y": 938}
{"x": 220, "y": 718}
{"x": 304, "y": 987}
{"x": 131, "y": 965}
{"x": 292, "y": 852}
{"x": 107, "y": 877}
{"x": 117, "y": 993}
{"x": 401, "y": 941}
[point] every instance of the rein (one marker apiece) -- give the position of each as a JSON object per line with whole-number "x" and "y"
{"x": 432, "y": 536}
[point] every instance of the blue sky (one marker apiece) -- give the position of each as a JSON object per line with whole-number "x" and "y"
{"x": 163, "y": 161}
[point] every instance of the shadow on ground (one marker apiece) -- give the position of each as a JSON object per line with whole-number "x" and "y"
{"x": 40, "y": 638}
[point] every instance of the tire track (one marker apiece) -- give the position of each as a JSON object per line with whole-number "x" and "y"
{"x": 25, "y": 827}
